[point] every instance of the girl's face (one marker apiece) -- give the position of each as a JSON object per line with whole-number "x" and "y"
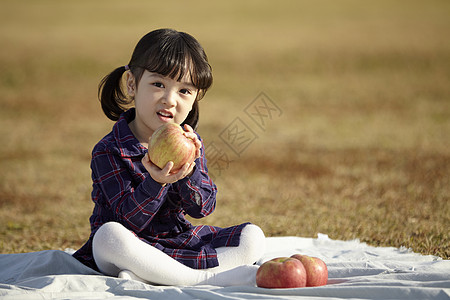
{"x": 158, "y": 100}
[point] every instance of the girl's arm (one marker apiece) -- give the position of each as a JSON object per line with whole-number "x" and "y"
{"x": 198, "y": 191}
{"x": 192, "y": 183}
{"x": 131, "y": 203}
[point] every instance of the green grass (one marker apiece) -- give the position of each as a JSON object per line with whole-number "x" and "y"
{"x": 360, "y": 150}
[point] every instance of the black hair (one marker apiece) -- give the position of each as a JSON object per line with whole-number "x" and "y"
{"x": 164, "y": 51}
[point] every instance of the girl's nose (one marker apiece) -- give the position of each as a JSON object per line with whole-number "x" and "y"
{"x": 169, "y": 98}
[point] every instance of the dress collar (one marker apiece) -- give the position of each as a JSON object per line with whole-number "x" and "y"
{"x": 126, "y": 142}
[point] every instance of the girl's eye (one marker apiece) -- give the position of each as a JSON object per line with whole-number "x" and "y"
{"x": 158, "y": 84}
{"x": 185, "y": 91}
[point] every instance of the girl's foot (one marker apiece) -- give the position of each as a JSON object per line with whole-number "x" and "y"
{"x": 125, "y": 274}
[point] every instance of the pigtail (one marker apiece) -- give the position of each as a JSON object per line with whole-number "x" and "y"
{"x": 111, "y": 95}
{"x": 192, "y": 118}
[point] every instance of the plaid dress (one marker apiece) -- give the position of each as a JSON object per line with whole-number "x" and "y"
{"x": 124, "y": 192}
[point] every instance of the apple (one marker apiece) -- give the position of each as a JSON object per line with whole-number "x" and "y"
{"x": 168, "y": 143}
{"x": 281, "y": 272}
{"x": 316, "y": 269}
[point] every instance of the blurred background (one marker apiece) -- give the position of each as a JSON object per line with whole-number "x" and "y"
{"x": 324, "y": 117}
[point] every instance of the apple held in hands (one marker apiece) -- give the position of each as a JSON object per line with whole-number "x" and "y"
{"x": 316, "y": 270}
{"x": 282, "y": 272}
{"x": 168, "y": 143}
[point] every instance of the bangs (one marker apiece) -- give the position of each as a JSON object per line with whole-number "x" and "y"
{"x": 178, "y": 56}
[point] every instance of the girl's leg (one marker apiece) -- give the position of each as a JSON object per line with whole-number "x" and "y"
{"x": 116, "y": 249}
{"x": 251, "y": 248}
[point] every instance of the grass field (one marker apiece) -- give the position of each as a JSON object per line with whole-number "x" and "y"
{"x": 354, "y": 96}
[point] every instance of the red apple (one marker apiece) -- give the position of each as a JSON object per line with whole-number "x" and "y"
{"x": 168, "y": 143}
{"x": 316, "y": 270}
{"x": 282, "y": 272}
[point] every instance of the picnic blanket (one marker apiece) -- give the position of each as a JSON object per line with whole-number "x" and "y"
{"x": 356, "y": 271}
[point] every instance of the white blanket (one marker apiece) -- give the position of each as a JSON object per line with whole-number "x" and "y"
{"x": 356, "y": 271}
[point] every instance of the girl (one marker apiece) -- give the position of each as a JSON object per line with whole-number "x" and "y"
{"x": 138, "y": 228}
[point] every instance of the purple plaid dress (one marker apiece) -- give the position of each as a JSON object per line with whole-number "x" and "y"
{"x": 124, "y": 192}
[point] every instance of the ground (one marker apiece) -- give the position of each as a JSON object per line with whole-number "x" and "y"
{"x": 324, "y": 117}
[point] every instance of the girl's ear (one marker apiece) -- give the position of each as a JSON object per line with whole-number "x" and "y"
{"x": 131, "y": 84}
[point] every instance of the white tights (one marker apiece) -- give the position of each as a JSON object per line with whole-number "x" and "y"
{"x": 118, "y": 252}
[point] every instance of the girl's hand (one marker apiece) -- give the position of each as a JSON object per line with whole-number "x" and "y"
{"x": 189, "y": 133}
{"x": 164, "y": 176}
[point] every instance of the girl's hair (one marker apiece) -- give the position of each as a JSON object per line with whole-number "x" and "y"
{"x": 166, "y": 52}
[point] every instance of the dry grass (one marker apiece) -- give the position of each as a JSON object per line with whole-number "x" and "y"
{"x": 360, "y": 150}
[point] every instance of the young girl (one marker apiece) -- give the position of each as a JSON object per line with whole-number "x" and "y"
{"x": 138, "y": 228}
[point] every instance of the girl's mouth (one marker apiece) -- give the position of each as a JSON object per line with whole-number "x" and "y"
{"x": 165, "y": 115}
